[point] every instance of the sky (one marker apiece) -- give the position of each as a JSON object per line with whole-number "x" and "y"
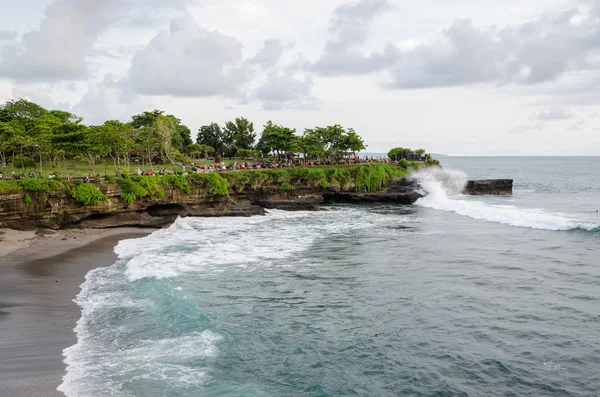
{"x": 461, "y": 77}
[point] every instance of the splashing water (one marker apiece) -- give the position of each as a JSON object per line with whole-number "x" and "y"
{"x": 443, "y": 189}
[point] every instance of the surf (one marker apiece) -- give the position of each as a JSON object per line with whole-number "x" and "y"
{"x": 443, "y": 187}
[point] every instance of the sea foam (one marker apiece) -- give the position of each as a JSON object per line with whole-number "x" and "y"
{"x": 443, "y": 188}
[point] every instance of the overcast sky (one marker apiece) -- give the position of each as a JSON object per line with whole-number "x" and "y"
{"x": 463, "y": 77}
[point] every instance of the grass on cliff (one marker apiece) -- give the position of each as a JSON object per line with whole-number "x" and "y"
{"x": 364, "y": 177}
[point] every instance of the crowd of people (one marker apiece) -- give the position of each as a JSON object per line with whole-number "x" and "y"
{"x": 250, "y": 164}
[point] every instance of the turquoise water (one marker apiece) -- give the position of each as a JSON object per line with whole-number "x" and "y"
{"x": 454, "y": 296}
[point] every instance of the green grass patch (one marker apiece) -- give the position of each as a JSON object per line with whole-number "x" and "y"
{"x": 27, "y": 200}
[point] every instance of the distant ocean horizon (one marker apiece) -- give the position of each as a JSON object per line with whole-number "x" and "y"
{"x": 452, "y": 296}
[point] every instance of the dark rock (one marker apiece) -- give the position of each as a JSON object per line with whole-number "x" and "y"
{"x": 498, "y": 187}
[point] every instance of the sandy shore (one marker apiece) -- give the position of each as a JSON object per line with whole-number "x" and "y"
{"x": 39, "y": 278}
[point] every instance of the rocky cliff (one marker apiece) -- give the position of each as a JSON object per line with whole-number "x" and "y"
{"x": 58, "y": 209}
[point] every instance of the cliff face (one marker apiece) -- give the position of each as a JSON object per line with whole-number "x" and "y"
{"x": 55, "y": 210}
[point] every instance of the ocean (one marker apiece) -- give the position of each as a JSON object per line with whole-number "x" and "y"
{"x": 452, "y": 296}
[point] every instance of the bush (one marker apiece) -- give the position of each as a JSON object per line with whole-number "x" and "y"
{"x": 124, "y": 173}
{"x": 88, "y": 194}
{"x": 325, "y": 185}
{"x": 214, "y": 183}
{"x": 132, "y": 189}
{"x": 180, "y": 173}
{"x": 128, "y": 197}
{"x": 178, "y": 182}
{"x": 154, "y": 190}
{"x": 9, "y": 186}
{"x": 27, "y": 199}
{"x": 286, "y": 187}
{"x": 404, "y": 164}
{"x": 39, "y": 185}
{"x": 109, "y": 178}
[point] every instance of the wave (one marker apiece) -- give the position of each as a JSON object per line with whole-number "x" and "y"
{"x": 443, "y": 187}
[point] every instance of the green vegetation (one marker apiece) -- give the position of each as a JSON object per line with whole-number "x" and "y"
{"x": 88, "y": 194}
{"x": 212, "y": 182}
{"x": 39, "y": 185}
{"x": 286, "y": 187}
{"x": 9, "y": 186}
{"x": 27, "y": 200}
{"x": 131, "y": 190}
{"x": 178, "y": 182}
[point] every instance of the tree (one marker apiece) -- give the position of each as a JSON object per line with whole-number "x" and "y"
{"x": 212, "y": 135}
{"x": 353, "y": 142}
{"x": 276, "y": 138}
{"x": 118, "y": 139}
{"x": 165, "y": 127}
{"x": 70, "y": 138}
{"x": 312, "y": 145}
{"x": 333, "y": 140}
{"x": 241, "y": 133}
{"x": 181, "y": 138}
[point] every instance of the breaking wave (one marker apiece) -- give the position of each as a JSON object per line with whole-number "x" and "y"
{"x": 443, "y": 192}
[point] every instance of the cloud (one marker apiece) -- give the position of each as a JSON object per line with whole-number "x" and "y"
{"x": 576, "y": 126}
{"x": 286, "y": 90}
{"x": 190, "y": 61}
{"x": 58, "y": 49}
{"x": 343, "y": 55}
{"x": 269, "y": 55}
{"x": 107, "y": 101}
{"x": 535, "y": 52}
{"x": 553, "y": 114}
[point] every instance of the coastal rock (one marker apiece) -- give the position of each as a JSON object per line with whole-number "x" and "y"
{"x": 497, "y": 187}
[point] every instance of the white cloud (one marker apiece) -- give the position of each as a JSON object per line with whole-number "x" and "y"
{"x": 188, "y": 60}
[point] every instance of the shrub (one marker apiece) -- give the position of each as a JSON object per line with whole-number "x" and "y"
{"x": 39, "y": 185}
{"x": 180, "y": 173}
{"x": 325, "y": 185}
{"x": 88, "y": 194}
{"x": 125, "y": 173}
{"x": 404, "y": 164}
{"x": 27, "y": 199}
{"x": 132, "y": 189}
{"x": 286, "y": 187}
{"x": 150, "y": 184}
{"x": 128, "y": 197}
{"x": 213, "y": 182}
{"x": 9, "y": 186}
{"x": 109, "y": 178}
{"x": 178, "y": 182}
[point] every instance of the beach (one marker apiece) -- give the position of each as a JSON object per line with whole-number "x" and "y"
{"x": 40, "y": 275}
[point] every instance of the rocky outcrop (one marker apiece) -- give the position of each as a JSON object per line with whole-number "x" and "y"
{"x": 497, "y": 187}
{"x": 401, "y": 191}
{"x": 56, "y": 210}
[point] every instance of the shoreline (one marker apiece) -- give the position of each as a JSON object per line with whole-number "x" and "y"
{"x": 39, "y": 278}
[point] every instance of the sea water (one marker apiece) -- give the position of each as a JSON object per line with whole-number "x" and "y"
{"x": 453, "y": 296}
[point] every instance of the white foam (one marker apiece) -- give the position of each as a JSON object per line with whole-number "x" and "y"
{"x": 443, "y": 187}
{"x": 100, "y": 358}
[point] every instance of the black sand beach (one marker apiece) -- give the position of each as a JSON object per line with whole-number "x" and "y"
{"x": 37, "y": 312}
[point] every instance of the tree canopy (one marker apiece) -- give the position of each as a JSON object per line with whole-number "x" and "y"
{"x": 30, "y": 134}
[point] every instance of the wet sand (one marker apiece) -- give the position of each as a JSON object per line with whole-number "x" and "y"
{"x": 38, "y": 282}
